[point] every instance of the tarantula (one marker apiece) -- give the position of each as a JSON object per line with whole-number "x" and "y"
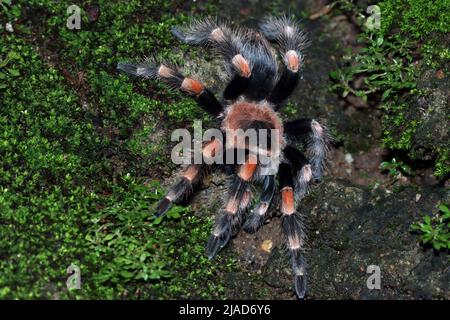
{"x": 251, "y": 100}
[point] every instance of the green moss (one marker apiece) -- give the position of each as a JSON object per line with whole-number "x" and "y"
{"x": 442, "y": 166}
{"x": 398, "y": 129}
{"x": 436, "y": 53}
{"x": 290, "y": 110}
{"x": 385, "y": 62}
{"x": 417, "y": 18}
{"x": 76, "y": 145}
{"x": 388, "y": 65}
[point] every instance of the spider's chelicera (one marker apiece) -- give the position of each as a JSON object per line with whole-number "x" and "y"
{"x": 251, "y": 100}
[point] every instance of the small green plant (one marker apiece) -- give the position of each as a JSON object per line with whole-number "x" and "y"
{"x": 387, "y": 69}
{"x": 395, "y": 168}
{"x": 5, "y": 3}
{"x": 442, "y": 167}
{"x": 435, "y": 230}
{"x": 385, "y": 64}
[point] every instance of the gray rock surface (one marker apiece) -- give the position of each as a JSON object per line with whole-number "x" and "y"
{"x": 431, "y": 110}
{"x": 351, "y": 228}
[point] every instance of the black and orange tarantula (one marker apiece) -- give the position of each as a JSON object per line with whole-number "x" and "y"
{"x": 251, "y": 100}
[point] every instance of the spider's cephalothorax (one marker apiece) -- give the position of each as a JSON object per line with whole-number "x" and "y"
{"x": 251, "y": 100}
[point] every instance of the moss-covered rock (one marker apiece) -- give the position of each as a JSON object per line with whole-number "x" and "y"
{"x": 403, "y": 68}
{"x": 420, "y": 124}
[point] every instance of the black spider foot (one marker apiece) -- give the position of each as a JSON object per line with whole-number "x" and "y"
{"x": 222, "y": 232}
{"x": 216, "y": 243}
{"x": 177, "y": 33}
{"x": 300, "y": 274}
{"x": 163, "y": 206}
{"x": 300, "y": 286}
{"x": 253, "y": 223}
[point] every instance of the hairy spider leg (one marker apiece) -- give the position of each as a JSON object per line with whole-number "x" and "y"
{"x": 239, "y": 198}
{"x": 172, "y": 77}
{"x": 264, "y": 66}
{"x": 228, "y": 43}
{"x": 302, "y": 171}
{"x": 318, "y": 139}
{"x": 293, "y": 228}
{"x": 240, "y": 81}
{"x": 189, "y": 178}
{"x": 292, "y": 41}
{"x": 259, "y": 213}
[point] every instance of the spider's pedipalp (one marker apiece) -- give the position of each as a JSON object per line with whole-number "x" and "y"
{"x": 201, "y": 32}
{"x": 259, "y": 214}
{"x": 318, "y": 139}
{"x": 142, "y": 69}
{"x": 240, "y": 78}
{"x": 292, "y": 41}
{"x": 224, "y": 40}
{"x": 286, "y": 32}
{"x": 172, "y": 77}
{"x": 293, "y": 228}
{"x": 264, "y": 65}
{"x": 284, "y": 87}
{"x": 236, "y": 87}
